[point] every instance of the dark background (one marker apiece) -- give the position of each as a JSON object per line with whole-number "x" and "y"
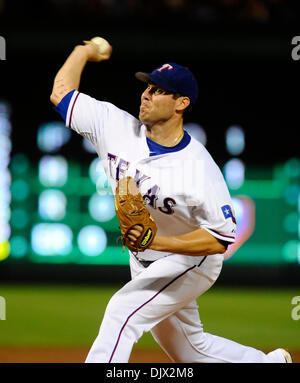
{"x": 240, "y": 52}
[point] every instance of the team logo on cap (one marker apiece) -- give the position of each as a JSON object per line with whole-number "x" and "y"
{"x": 165, "y": 66}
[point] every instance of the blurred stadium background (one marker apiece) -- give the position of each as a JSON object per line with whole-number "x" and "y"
{"x": 59, "y": 260}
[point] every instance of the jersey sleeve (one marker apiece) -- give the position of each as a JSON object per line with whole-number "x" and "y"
{"x": 84, "y": 116}
{"x": 93, "y": 119}
{"x": 214, "y": 211}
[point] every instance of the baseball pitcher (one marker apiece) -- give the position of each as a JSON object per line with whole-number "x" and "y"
{"x": 175, "y": 212}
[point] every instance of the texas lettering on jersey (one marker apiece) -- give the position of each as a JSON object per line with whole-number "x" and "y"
{"x": 119, "y": 167}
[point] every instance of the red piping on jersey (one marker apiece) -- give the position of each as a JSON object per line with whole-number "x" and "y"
{"x": 149, "y": 300}
{"x": 71, "y": 114}
{"x": 222, "y": 235}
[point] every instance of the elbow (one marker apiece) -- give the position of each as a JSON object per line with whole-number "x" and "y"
{"x": 217, "y": 248}
{"x": 221, "y": 248}
{"x": 54, "y": 98}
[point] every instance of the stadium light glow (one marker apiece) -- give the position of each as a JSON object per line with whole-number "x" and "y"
{"x": 234, "y": 173}
{"x": 19, "y": 163}
{"x": 102, "y": 207}
{"x": 20, "y": 190}
{"x": 52, "y": 136}
{"x": 235, "y": 140}
{"x": 92, "y": 240}
{"x": 290, "y": 251}
{"x": 18, "y": 246}
{"x": 5, "y": 179}
{"x": 19, "y": 218}
{"x": 97, "y": 173}
{"x": 52, "y": 205}
{"x": 50, "y": 239}
{"x": 291, "y": 194}
{"x": 53, "y": 171}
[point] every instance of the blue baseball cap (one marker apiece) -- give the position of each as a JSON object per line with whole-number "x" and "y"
{"x": 174, "y": 78}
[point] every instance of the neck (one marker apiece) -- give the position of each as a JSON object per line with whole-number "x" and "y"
{"x": 166, "y": 135}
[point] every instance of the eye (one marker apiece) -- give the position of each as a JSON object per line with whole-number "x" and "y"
{"x": 151, "y": 89}
{"x": 158, "y": 91}
{"x": 155, "y": 90}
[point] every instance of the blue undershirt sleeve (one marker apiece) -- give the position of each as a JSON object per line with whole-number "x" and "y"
{"x": 62, "y": 107}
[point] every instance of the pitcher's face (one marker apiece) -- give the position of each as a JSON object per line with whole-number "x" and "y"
{"x": 157, "y": 105}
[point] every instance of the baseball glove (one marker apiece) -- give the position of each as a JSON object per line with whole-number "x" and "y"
{"x": 131, "y": 210}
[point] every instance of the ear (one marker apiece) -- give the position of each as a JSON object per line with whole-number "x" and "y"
{"x": 182, "y": 103}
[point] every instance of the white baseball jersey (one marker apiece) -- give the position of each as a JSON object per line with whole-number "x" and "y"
{"x": 184, "y": 191}
{"x": 182, "y": 186}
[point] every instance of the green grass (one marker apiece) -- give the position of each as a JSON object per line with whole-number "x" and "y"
{"x": 258, "y": 317}
{"x": 65, "y": 315}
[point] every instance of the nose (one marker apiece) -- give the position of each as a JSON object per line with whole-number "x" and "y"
{"x": 146, "y": 95}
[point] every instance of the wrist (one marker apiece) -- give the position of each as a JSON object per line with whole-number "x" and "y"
{"x": 157, "y": 243}
{"x": 80, "y": 50}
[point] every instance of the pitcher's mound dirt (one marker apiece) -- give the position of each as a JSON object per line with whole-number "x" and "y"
{"x": 70, "y": 355}
{"x": 78, "y": 355}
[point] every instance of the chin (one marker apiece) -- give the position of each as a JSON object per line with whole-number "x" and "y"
{"x": 143, "y": 118}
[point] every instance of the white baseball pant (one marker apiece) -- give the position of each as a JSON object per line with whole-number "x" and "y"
{"x": 161, "y": 299}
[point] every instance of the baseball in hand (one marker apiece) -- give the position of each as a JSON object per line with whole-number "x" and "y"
{"x": 103, "y": 45}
